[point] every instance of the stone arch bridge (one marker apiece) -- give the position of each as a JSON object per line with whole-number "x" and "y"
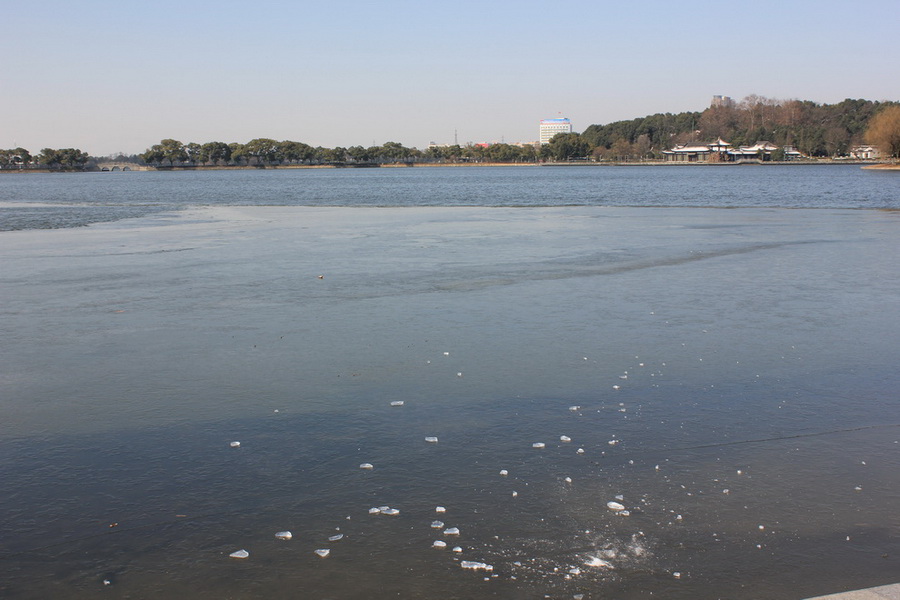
{"x": 121, "y": 166}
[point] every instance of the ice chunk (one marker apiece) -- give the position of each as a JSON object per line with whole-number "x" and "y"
{"x": 565, "y": 438}
{"x": 397, "y": 403}
{"x": 239, "y": 554}
{"x": 446, "y": 354}
{"x": 391, "y": 512}
{"x": 568, "y": 480}
{"x": 596, "y": 561}
{"x": 374, "y": 511}
{"x": 440, "y": 509}
{"x": 471, "y": 564}
{"x": 284, "y": 535}
{"x": 459, "y": 374}
{"x": 613, "y": 442}
{"x": 457, "y": 549}
{"x": 574, "y": 408}
{"x": 431, "y": 440}
{"x": 451, "y": 531}
{"x": 614, "y": 506}
{"x": 336, "y": 537}
{"x": 515, "y": 494}
{"x": 323, "y": 552}
{"x": 580, "y": 451}
{"x": 235, "y": 444}
{"x": 367, "y": 466}
{"x": 504, "y": 472}
{"x": 437, "y": 524}
{"x": 538, "y": 445}
{"x": 439, "y": 544}
{"x": 676, "y": 575}
{"x": 615, "y": 387}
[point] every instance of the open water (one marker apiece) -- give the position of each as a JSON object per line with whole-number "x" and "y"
{"x": 729, "y": 377}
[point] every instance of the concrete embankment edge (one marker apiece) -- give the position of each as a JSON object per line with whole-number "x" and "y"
{"x": 885, "y": 592}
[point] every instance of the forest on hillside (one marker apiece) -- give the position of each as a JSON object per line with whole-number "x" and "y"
{"x": 816, "y": 130}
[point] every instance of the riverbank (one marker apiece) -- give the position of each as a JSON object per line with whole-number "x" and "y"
{"x": 884, "y": 167}
{"x": 647, "y": 163}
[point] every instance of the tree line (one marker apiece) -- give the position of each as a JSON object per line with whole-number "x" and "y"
{"x": 816, "y": 130}
{"x": 49, "y": 158}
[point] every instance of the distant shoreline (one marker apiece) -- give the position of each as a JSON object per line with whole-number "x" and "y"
{"x": 647, "y": 163}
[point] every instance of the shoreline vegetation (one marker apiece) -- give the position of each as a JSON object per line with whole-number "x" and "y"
{"x": 753, "y": 131}
{"x": 864, "y": 164}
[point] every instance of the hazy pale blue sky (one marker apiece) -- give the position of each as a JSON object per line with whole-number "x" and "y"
{"x": 119, "y": 76}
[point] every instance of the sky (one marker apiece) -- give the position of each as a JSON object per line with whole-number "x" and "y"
{"x": 110, "y": 77}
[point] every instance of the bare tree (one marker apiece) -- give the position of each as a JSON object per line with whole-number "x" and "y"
{"x": 884, "y": 131}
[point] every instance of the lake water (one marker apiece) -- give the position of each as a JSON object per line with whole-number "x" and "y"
{"x": 714, "y": 349}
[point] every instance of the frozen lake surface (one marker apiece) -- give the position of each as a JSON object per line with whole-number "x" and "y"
{"x": 684, "y": 402}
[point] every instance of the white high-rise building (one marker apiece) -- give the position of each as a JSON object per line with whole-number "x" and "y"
{"x": 550, "y": 127}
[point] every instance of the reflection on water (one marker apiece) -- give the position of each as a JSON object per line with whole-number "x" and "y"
{"x": 727, "y": 377}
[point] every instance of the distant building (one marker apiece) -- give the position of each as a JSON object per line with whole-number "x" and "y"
{"x": 550, "y": 127}
{"x": 722, "y": 151}
{"x": 714, "y": 152}
{"x": 721, "y": 101}
{"x": 864, "y": 152}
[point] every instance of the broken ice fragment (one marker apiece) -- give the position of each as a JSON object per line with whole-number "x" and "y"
{"x": 614, "y": 506}
{"x": 437, "y": 524}
{"x": 595, "y": 561}
{"x": 471, "y": 564}
{"x": 538, "y": 445}
{"x": 440, "y": 509}
{"x": 390, "y": 512}
{"x": 235, "y": 444}
{"x": 568, "y": 480}
{"x": 676, "y": 575}
{"x": 366, "y": 466}
{"x": 504, "y": 472}
{"x": 439, "y": 544}
{"x": 580, "y": 451}
{"x": 431, "y": 439}
{"x": 374, "y": 511}
{"x": 323, "y": 552}
{"x": 565, "y": 438}
{"x": 336, "y": 537}
{"x": 612, "y": 442}
{"x": 397, "y": 403}
{"x": 239, "y": 554}
{"x": 284, "y": 535}
{"x": 451, "y": 531}
{"x": 574, "y": 408}
{"x": 457, "y": 548}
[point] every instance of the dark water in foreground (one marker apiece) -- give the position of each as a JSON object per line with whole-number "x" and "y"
{"x": 728, "y": 376}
